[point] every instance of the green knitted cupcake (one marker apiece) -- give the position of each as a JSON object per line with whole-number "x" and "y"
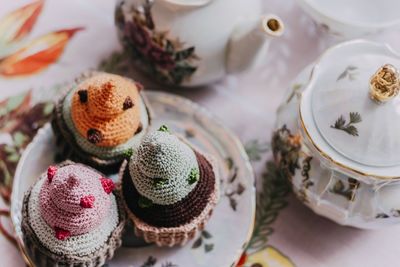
{"x": 169, "y": 188}
{"x": 162, "y": 168}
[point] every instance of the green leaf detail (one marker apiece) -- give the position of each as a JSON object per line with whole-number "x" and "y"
{"x": 164, "y": 128}
{"x": 229, "y": 162}
{"x": 206, "y": 234}
{"x": 48, "y": 108}
{"x": 19, "y": 139}
{"x": 349, "y": 128}
{"x": 150, "y": 262}
{"x": 184, "y": 54}
{"x": 128, "y": 153}
{"x": 145, "y": 202}
{"x": 208, "y": 247}
{"x": 197, "y": 243}
{"x": 158, "y": 182}
{"x": 193, "y": 176}
{"x": 355, "y": 117}
{"x": 348, "y": 72}
{"x": 13, "y": 157}
{"x": 255, "y": 149}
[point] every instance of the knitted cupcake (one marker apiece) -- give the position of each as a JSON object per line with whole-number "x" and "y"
{"x": 99, "y": 121}
{"x": 71, "y": 217}
{"x": 169, "y": 189}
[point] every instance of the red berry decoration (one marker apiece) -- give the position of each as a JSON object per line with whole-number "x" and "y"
{"x": 108, "y": 184}
{"x": 87, "y": 202}
{"x": 51, "y": 171}
{"x": 62, "y": 234}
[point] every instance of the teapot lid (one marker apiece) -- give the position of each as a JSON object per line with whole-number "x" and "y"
{"x": 351, "y": 108}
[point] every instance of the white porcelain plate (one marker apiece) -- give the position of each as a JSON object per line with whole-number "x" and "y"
{"x": 231, "y": 225}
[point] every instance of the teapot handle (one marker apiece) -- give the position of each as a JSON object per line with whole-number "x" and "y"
{"x": 188, "y": 3}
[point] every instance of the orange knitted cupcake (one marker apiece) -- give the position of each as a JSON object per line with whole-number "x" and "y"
{"x": 100, "y": 120}
{"x": 104, "y": 110}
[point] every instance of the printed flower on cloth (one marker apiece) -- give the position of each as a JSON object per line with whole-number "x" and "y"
{"x": 268, "y": 257}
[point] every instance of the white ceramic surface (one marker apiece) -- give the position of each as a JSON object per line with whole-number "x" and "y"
{"x": 362, "y": 203}
{"x": 224, "y": 42}
{"x": 201, "y": 128}
{"x": 353, "y": 18}
{"x": 328, "y": 96}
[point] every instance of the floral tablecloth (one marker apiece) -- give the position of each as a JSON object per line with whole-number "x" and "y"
{"x": 44, "y": 44}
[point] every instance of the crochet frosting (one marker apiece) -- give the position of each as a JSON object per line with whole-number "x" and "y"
{"x": 72, "y": 217}
{"x": 161, "y": 168}
{"x": 105, "y": 109}
{"x": 100, "y": 120}
{"x": 102, "y": 151}
{"x": 74, "y": 200}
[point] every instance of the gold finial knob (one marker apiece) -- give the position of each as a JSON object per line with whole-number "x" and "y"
{"x": 384, "y": 84}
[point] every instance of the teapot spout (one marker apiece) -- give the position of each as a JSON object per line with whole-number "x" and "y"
{"x": 250, "y": 41}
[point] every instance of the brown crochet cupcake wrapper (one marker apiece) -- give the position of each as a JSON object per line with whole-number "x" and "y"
{"x": 178, "y": 235}
{"x": 175, "y": 236}
{"x": 67, "y": 147}
{"x": 176, "y": 214}
{"x": 42, "y": 256}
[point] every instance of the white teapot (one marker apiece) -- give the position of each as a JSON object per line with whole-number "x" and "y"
{"x": 195, "y": 42}
{"x": 337, "y": 137}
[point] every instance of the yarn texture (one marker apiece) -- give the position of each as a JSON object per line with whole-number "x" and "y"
{"x": 105, "y": 109}
{"x": 102, "y": 151}
{"x": 161, "y": 167}
{"x": 169, "y": 189}
{"x": 60, "y": 200}
{"x": 176, "y": 214}
{"x": 82, "y": 244}
{"x": 84, "y": 141}
{"x": 53, "y": 239}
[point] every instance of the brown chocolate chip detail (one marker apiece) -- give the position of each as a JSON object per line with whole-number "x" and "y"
{"x": 83, "y": 96}
{"x": 128, "y": 103}
{"x": 94, "y": 136}
{"x": 140, "y": 128}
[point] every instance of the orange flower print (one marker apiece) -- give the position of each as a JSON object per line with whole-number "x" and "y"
{"x": 19, "y": 57}
{"x": 268, "y": 257}
{"x": 17, "y": 24}
{"x": 37, "y": 54}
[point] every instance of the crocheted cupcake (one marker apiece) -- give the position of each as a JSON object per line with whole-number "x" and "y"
{"x": 72, "y": 217}
{"x": 100, "y": 120}
{"x": 169, "y": 189}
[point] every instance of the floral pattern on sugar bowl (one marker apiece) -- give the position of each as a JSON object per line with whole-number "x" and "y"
{"x": 172, "y": 42}
{"x": 337, "y": 133}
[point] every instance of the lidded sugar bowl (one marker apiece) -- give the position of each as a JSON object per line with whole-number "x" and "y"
{"x": 338, "y": 136}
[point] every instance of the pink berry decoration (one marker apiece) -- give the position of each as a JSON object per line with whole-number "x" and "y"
{"x": 108, "y": 184}
{"x": 62, "y": 234}
{"x": 87, "y": 202}
{"x": 51, "y": 171}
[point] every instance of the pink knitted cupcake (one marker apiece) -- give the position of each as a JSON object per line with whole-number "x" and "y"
{"x": 72, "y": 217}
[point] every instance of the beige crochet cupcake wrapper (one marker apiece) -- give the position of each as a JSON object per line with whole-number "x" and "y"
{"x": 41, "y": 256}
{"x": 175, "y": 236}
